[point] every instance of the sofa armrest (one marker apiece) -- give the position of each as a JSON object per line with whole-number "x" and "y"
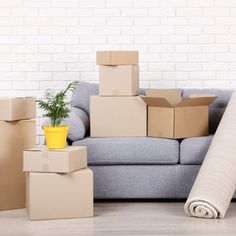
{"x": 78, "y": 121}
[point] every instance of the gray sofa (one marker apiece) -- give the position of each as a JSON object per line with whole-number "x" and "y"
{"x": 141, "y": 167}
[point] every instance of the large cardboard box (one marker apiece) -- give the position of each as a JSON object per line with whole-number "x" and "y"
{"x": 117, "y": 116}
{"x": 55, "y": 196}
{"x": 171, "y": 117}
{"x": 40, "y": 159}
{"x": 21, "y": 108}
{"x": 119, "y": 80}
{"x": 117, "y": 57}
{"x": 15, "y": 136}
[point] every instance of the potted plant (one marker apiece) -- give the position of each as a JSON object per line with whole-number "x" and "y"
{"x": 56, "y": 108}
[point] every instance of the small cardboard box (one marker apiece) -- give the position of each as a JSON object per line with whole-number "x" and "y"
{"x": 58, "y": 196}
{"x": 15, "y": 137}
{"x": 118, "y": 80}
{"x": 40, "y": 159}
{"x": 117, "y": 116}
{"x": 21, "y": 108}
{"x": 117, "y": 58}
{"x": 171, "y": 117}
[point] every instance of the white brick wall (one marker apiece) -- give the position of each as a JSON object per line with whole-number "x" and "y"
{"x": 182, "y": 43}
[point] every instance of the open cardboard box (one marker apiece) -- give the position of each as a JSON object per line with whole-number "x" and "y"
{"x": 170, "y": 116}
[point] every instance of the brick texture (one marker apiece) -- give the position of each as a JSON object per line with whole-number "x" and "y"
{"x": 182, "y": 43}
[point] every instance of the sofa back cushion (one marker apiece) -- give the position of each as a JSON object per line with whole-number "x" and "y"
{"x": 83, "y": 91}
{"x": 81, "y": 96}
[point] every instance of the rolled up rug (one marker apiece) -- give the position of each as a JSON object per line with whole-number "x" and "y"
{"x": 215, "y": 184}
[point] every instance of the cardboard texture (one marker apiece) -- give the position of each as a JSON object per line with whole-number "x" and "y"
{"x": 117, "y": 57}
{"x": 172, "y": 96}
{"x": 40, "y": 159}
{"x": 21, "y": 108}
{"x": 117, "y": 116}
{"x": 171, "y": 117}
{"x": 14, "y": 138}
{"x": 118, "y": 80}
{"x": 57, "y": 196}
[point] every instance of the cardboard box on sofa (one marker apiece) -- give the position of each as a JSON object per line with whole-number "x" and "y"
{"x": 55, "y": 196}
{"x": 15, "y": 136}
{"x": 117, "y": 57}
{"x": 171, "y": 117}
{"x": 21, "y": 108}
{"x": 119, "y": 80}
{"x": 40, "y": 159}
{"x": 117, "y": 116}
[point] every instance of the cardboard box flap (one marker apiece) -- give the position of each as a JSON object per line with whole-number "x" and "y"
{"x": 156, "y": 102}
{"x": 197, "y": 101}
{"x": 197, "y": 95}
{"x": 173, "y": 96}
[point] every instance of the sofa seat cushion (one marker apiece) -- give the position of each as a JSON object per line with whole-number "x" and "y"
{"x": 193, "y": 150}
{"x": 131, "y": 150}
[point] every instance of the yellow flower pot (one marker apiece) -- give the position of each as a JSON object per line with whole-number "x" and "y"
{"x": 56, "y": 136}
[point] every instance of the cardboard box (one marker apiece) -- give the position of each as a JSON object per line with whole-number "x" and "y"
{"x": 171, "y": 117}
{"x": 117, "y": 58}
{"x": 15, "y": 136}
{"x": 57, "y": 196}
{"x": 117, "y": 116}
{"x": 40, "y": 159}
{"x": 21, "y": 108}
{"x": 118, "y": 80}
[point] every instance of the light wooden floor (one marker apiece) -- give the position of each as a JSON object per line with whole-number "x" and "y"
{"x": 122, "y": 218}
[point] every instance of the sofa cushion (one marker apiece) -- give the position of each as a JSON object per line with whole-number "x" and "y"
{"x": 81, "y": 96}
{"x": 135, "y": 182}
{"x": 193, "y": 150}
{"x": 131, "y": 150}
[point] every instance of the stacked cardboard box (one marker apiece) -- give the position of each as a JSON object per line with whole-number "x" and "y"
{"x": 59, "y": 184}
{"x": 18, "y": 132}
{"x": 118, "y": 110}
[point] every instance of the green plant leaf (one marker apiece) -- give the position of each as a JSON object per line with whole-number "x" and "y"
{"x": 55, "y": 106}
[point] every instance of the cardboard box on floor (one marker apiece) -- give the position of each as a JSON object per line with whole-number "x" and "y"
{"x": 171, "y": 117}
{"x": 117, "y": 57}
{"x": 119, "y": 80}
{"x": 117, "y": 116}
{"x": 21, "y": 108}
{"x": 15, "y": 137}
{"x": 58, "y": 196}
{"x": 40, "y": 159}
